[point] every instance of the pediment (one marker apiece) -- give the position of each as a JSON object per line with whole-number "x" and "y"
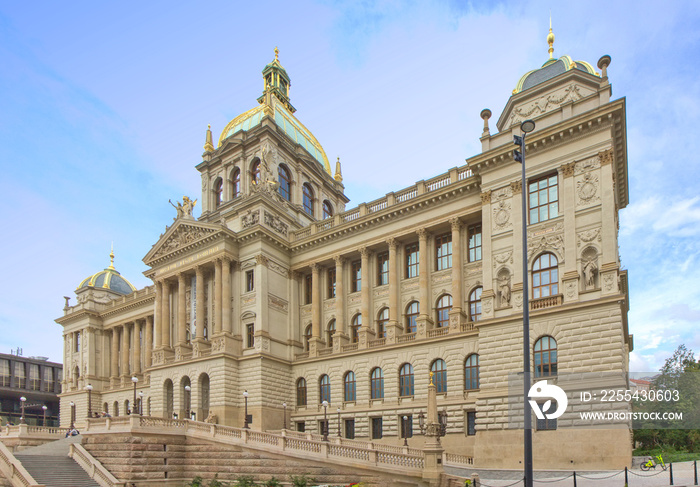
{"x": 183, "y": 234}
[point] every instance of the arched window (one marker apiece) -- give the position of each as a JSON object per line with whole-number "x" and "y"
{"x": 545, "y": 357}
{"x": 115, "y": 409}
{"x": 439, "y": 370}
{"x": 376, "y": 383}
{"x": 355, "y": 328}
{"x": 324, "y": 388}
{"x": 236, "y": 183}
{"x": 406, "y": 380}
{"x": 308, "y": 199}
{"x": 382, "y": 320}
{"x": 307, "y": 337}
{"x": 411, "y": 317}
{"x": 475, "y": 304}
{"x": 218, "y": 192}
{"x": 285, "y": 182}
{"x": 255, "y": 172}
{"x": 301, "y": 392}
{"x": 444, "y": 306}
{"x": 331, "y": 332}
{"x": 349, "y": 387}
{"x": 471, "y": 372}
{"x": 545, "y": 276}
{"x": 327, "y": 209}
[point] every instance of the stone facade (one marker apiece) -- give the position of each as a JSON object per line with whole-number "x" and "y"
{"x": 276, "y": 284}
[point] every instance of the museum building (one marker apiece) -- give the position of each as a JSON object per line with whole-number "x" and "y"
{"x": 278, "y": 298}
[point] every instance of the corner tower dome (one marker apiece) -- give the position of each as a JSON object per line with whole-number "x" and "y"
{"x": 109, "y": 279}
{"x": 274, "y": 102}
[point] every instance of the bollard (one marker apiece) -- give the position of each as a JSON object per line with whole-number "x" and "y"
{"x": 574, "y": 478}
{"x": 695, "y": 468}
{"x": 670, "y": 473}
{"x": 626, "y": 479}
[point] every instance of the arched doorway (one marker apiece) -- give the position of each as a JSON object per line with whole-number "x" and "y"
{"x": 203, "y": 409}
{"x": 168, "y": 399}
{"x": 185, "y": 398}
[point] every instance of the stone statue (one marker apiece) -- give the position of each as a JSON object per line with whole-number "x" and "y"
{"x": 184, "y": 209}
{"x": 504, "y": 292}
{"x": 590, "y": 269}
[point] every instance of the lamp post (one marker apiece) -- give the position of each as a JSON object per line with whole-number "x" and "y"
{"x": 22, "y": 401}
{"x": 72, "y": 415}
{"x": 325, "y": 420}
{"x": 284, "y": 404}
{"x": 188, "y": 391}
{"x": 44, "y": 408}
{"x": 135, "y": 380}
{"x": 405, "y": 431}
{"x": 141, "y": 403}
{"x": 245, "y": 397}
{"x": 421, "y": 422}
{"x": 89, "y": 389}
{"x": 526, "y": 127}
{"x": 338, "y": 422}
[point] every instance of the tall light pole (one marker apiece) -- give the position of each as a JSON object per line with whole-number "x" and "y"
{"x": 188, "y": 391}
{"x": 325, "y": 420}
{"x": 89, "y": 389}
{"x": 72, "y": 415}
{"x": 338, "y": 422}
{"x": 22, "y": 400}
{"x": 245, "y": 397}
{"x": 527, "y": 126}
{"x": 141, "y": 403}
{"x": 405, "y": 431}
{"x": 44, "y": 408}
{"x": 284, "y": 404}
{"x": 135, "y": 380}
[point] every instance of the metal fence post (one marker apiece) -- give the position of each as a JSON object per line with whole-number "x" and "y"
{"x": 626, "y": 479}
{"x": 574, "y": 478}
{"x": 670, "y": 473}
{"x": 695, "y": 467}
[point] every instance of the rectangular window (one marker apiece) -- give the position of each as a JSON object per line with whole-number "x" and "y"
{"x": 471, "y": 423}
{"x": 547, "y": 424}
{"x": 383, "y": 269}
{"x": 376, "y": 428}
{"x": 544, "y": 199}
{"x": 301, "y": 426}
{"x": 77, "y": 342}
{"x": 331, "y": 284}
{"x": 356, "y": 277}
{"x": 4, "y": 373}
{"x": 406, "y": 426}
{"x": 250, "y": 335}
{"x": 350, "y": 429}
{"x": 412, "y": 256}
{"x": 34, "y": 379}
{"x": 48, "y": 379}
{"x": 249, "y": 281}
{"x": 443, "y": 252}
{"x": 20, "y": 375}
{"x": 474, "y": 232}
{"x": 323, "y": 427}
{"x": 308, "y": 286}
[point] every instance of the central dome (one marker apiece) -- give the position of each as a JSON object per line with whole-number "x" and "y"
{"x": 108, "y": 278}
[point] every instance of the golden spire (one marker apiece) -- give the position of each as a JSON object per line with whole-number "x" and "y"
{"x": 111, "y": 258}
{"x": 550, "y": 38}
{"x": 277, "y": 54}
{"x": 338, "y": 173}
{"x": 431, "y": 378}
{"x": 208, "y": 145}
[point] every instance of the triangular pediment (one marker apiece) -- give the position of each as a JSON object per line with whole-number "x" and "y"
{"x": 183, "y": 235}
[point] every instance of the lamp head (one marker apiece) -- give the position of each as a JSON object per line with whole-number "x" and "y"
{"x": 527, "y": 126}
{"x": 245, "y": 393}
{"x": 72, "y": 404}
{"x": 44, "y": 407}
{"x": 88, "y": 387}
{"x": 284, "y": 404}
{"x": 188, "y": 388}
{"x": 141, "y": 394}
{"x": 22, "y": 398}
{"x": 324, "y": 404}
{"x": 134, "y": 379}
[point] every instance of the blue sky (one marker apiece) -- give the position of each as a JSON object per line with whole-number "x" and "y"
{"x": 104, "y": 107}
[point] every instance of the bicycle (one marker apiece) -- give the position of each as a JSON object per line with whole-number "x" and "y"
{"x": 652, "y": 464}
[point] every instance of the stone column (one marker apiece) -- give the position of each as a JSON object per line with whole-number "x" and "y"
{"x": 316, "y": 342}
{"x": 148, "y": 341}
{"x": 432, "y": 451}
{"x": 217, "y": 298}
{"x": 158, "y": 315}
{"x": 393, "y": 328}
{"x": 200, "y": 309}
{"x": 609, "y": 265}
{"x": 165, "y": 318}
{"x": 114, "y": 373}
{"x": 340, "y": 337}
{"x": 570, "y": 277}
{"x": 366, "y": 333}
{"x": 424, "y": 320}
{"x": 226, "y": 296}
{"x": 457, "y": 315}
{"x": 125, "y": 351}
{"x": 516, "y": 217}
{"x": 181, "y": 310}
{"x": 136, "y": 357}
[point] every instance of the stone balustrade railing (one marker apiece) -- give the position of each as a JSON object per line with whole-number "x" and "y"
{"x": 92, "y": 467}
{"x": 456, "y": 460}
{"x": 13, "y": 470}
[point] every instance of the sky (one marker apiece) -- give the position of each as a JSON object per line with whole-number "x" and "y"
{"x": 104, "y": 108}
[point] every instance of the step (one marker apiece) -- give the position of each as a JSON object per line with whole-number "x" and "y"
{"x": 56, "y": 471}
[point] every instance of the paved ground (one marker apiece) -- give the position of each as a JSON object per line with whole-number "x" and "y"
{"x": 683, "y": 475}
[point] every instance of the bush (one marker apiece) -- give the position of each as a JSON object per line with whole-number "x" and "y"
{"x": 245, "y": 481}
{"x": 273, "y": 482}
{"x": 301, "y": 480}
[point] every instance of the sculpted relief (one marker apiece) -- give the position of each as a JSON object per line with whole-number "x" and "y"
{"x": 549, "y": 102}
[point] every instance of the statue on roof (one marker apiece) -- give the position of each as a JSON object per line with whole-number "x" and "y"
{"x": 185, "y": 208}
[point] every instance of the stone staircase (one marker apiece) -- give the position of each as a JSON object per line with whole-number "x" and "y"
{"x": 49, "y": 464}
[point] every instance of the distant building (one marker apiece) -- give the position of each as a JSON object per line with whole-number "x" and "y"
{"x": 34, "y": 378}
{"x": 640, "y": 384}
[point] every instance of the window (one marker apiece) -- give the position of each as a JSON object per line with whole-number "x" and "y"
{"x": 77, "y": 342}
{"x": 545, "y": 276}
{"x": 5, "y": 373}
{"x": 49, "y": 383}
{"x": 324, "y": 388}
{"x": 350, "y": 429}
{"x": 307, "y": 337}
{"x": 475, "y": 304}
{"x": 301, "y": 426}
{"x": 285, "y": 183}
{"x": 376, "y": 383}
{"x": 382, "y": 268}
{"x": 547, "y": 424}
{"x": 330, "y": 292}
{"x": 544, "y": 199}
{"x": 34, "y": 379}
{"x": 249, "y": 281}
{"x": 382, "y": 320}
{"x": 406, "y": 380}
{"x": 255, "y": 172}
{"x": 308, "y": 288}
{"x": 471, "y": 372}
{"x": 327, "y": 209}
{"x": 308, "y": 199}
{"x": 406, "y": 424}
{"x": 412, "y": 259}
{"x": 443, "y": 252}
{"x": 323, "y": 427}
{"x": 236, "y": 183}
{"x": 331, "y": 332}
{"x": 21, "y": 377}
{"x": 250, "y": 335}
{"x": 376, "y": 428}
{"x": 349, "y": 387}
{"x": 439, "y": 370}
{"x": 545, "y": 357}
{"x": 218, "y": 192}
{"x": 355, "y": 328}
{"x": 474, "y": 233}
{"x": 471, "y": 423}
{"x": 301, "y": 392}
{"x": 356, "y": 277}
{"x": 411, "y": 317}
{"x": 443, "y": 311}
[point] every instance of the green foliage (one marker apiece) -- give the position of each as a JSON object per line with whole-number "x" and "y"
{"x": 245, "y": 481}
{"x": 196, "y": 482}
{"x": 273, "y": 482}
{"x": 301, "y": 480}
{"x": 199, "y": 482}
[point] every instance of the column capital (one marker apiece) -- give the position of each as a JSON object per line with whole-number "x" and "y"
{"x": 261, "y": 260}
{"x": 423, "y": 234}
{"x": 455, "y": 223}
{"x": 606, "y": 157}
{"x": 392, "y": 243}
{"x": 516, "y": 186}
{"x": 486, "y": 197}
{"x": 315, "y": 267}
{"x": 339, "y": 260}
{"x": 365, "y": 252}
{"x": 226, "y": 259}
{"x": 568, "y": 169}
{"x": 199, "y": 269}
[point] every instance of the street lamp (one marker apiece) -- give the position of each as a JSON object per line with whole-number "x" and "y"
{"x": 405, "y": 431}
{"x": 141, "y": 403}
{"x": 284, "y": 404}
{"x": 22, "y": 400}
{"x": 325, "y": 420}
{"x": 188, "y": 391}
{"x": 72, "y": 415}
{"x": 421, "y": 422}
{"x": 527, "y": 126}
{"x": 245, "y": 397}
{"x": 89, "y": 389}
{"x": 44, "y": 408}
{"x": 135, "y": 380}
{"x": 338, "y": 422}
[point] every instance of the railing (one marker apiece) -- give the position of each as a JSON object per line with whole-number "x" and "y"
{"x": 351, "y": 215}
{"x": 409, "y": 337}
{"x": 92, "y": 467}
{"x": 325, "y": 351}
{"x": 326, "y": 224}
{"x": 13, "y": 470}
{"x": 438, "y": 332}
{"x": 377, "y": 343}
{"x": 455, "y": 459}
{"x": 406, "y": 195}
{"x": 467, "y": 326}
{"x": 464, "y": 174}
{"x": 302, "y": 355}
{"x": 377, "y": 205}
{"x": 350, "y": 347}
{"x": 547, "y": 302}
{"x": 437, "y": 183}
{"x": 303, "y": 233}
